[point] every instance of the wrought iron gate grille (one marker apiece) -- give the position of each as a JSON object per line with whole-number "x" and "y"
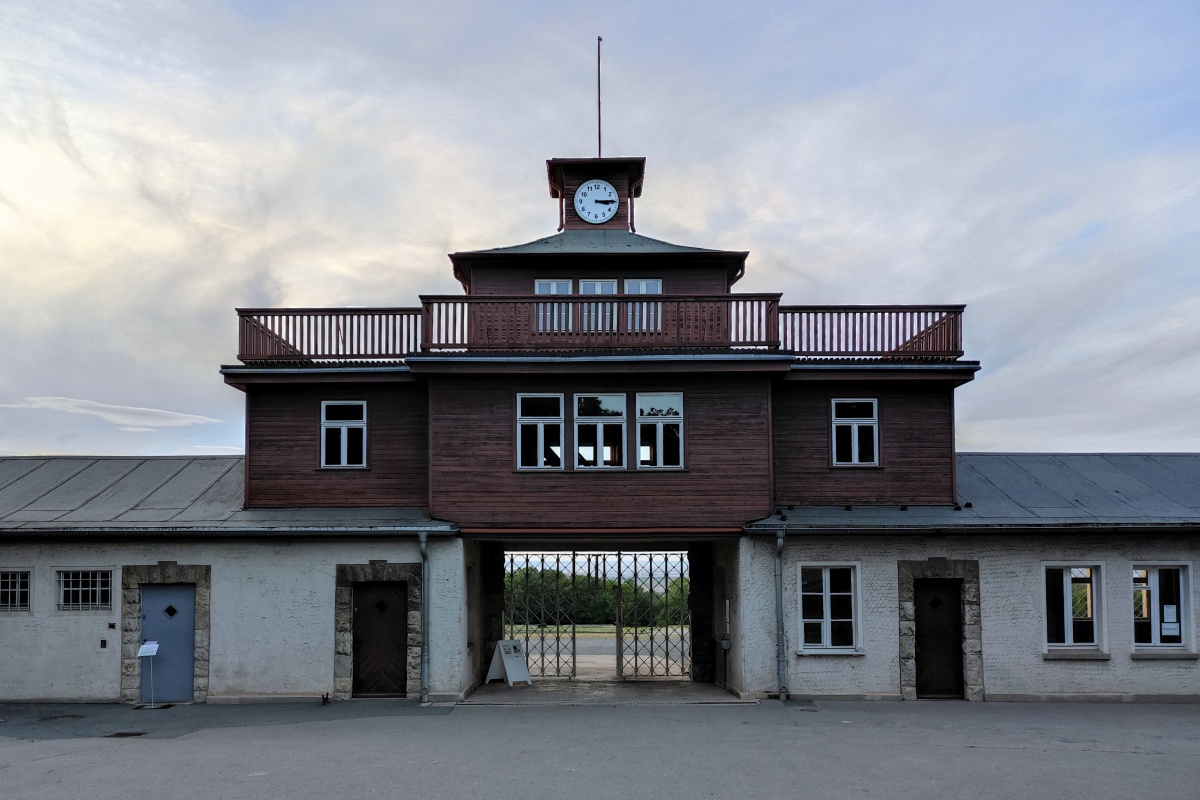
{"x": 641, "y": 597}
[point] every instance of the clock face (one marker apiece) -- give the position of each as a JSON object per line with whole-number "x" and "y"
{"x": 596, "y": 201}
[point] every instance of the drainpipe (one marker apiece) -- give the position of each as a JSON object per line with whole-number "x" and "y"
{"x": 424, "y": 538}
{"x": 780, "y": 642}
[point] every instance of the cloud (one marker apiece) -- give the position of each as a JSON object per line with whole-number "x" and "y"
{"x": 128, "y": 418}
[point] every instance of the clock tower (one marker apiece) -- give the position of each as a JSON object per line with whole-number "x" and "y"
{"x": 595, "y": 193}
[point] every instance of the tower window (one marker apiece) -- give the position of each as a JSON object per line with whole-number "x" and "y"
{"x": 855, "y": 433}
{"x": 343, "y": 433}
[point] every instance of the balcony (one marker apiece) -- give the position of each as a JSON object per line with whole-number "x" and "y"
{"x": 584, "y": 322}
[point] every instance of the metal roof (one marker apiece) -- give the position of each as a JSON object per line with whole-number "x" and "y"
{"x": 607, "y": 242}
{"x": 1034, "y": 491}
{"x": 165, "y": 493}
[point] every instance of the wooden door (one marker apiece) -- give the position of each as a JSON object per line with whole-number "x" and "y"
{"x": 939, "y": 638}
{"x": 380, "y": 639}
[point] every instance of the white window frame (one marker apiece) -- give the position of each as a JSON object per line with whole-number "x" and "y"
{"x": 344, "y": 438}
{"x": 541, "y": 423}
{"x": 643, "y": 316}
{"x": 826, "y": 620}
{"x": 11, "y": 581}
{"x": 555, "y": 317}
{"x": 857, "y": 427}
{"x": 62, "y": 575}
{"x": 598, "y": 315}
{"x": 1184, "y": 611}
{"x": 1067, "y": 611}
{"x": 659, "y": 422}
{"x": 598, "y": 424}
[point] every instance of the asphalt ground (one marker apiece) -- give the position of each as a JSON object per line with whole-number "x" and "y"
{"x": 391, "y": 749}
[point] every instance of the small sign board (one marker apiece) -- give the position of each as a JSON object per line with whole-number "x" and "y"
{"x": 148, "y": 649}
{"x": 508, "y": 663}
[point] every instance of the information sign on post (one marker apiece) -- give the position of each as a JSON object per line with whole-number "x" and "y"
{"x": 150, "y": 650}
{"x": 508, "y": 663}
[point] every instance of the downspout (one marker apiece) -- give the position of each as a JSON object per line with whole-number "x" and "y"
{"x": 424, "y": 539}
{"x": 780, "y": 643}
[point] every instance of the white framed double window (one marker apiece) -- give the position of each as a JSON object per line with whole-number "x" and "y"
{"x": 599, "y": 431}
{"x": 1074, "y": 605}
{"x": 1162, "y": 605}
{"x": 855, "y": 432}
{"x": 343, "y": 433}
{"x": 554, "y": 317}
{"x": 598, "y": 315}
{"x": 829, "y": 608}
{"x": 14, "y": 590}
{"x": 84, "y": 589}
{"x": 660, "y": 430}
{"x": 539, "y": 431}
{"x": 643, "y": 316}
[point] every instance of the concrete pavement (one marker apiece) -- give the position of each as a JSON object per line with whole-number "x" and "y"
{"x": 387, "y": 749}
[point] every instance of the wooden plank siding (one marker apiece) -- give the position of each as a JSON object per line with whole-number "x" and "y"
{"x": 473, "y": 458}
{"x": 916, "y": 445}
{"x": 284, "y": 449}
{"x": 519, "y": 278}
{"x": 619, "y": 181}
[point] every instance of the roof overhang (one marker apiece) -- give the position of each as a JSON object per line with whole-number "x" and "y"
{"x": 632, "y": 167}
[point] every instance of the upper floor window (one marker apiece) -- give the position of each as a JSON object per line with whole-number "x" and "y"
{"x": 855, "y": 433}
{"x": 553, "y": 317}
{"x": 539, "y": 431}
{"x": 598, "y": 315}
{"x": 14, "y": 590}
{"x": 84, "y": 590}
{"x": 829, "y": 607}
{"x": 1072, "y": 614}
{"x": 343, "y": 433}
{"x": 1161, "y": 605}
{"x": 660, "y": 430}
{"x": 643, "y": 316}
{"x": 599, "y": 430}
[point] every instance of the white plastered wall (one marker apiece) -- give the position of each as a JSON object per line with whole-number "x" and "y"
{"x": 1011, "y": 611}
{"x": 271, "y": 613}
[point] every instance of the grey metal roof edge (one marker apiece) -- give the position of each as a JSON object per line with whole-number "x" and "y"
{"x": 956, "y": 366}
{"x": 218, "y": 531}
{"x": 748, "y": 356}
{"x": 552, "y": 245}
{"x": 942, "y": 529}
{"x": 236, "y": 369}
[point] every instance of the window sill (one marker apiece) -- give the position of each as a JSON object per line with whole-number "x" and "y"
{"x": 1071, "y": 654}
{"x": 1173, "y": 653}
{"x": 829, "y": 652}
{"x": 343, "y": 469}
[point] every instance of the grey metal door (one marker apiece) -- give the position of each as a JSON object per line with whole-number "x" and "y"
{"x": 169, "y": 618}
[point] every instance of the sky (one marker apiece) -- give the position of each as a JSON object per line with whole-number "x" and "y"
{"x": 163, "y": 163}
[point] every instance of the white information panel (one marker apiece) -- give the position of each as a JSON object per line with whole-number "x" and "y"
{"x": 148, "y": 649}
{"x": 508, "y": 663}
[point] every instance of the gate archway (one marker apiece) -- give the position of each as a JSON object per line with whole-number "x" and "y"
{"x": 616, "y": 614}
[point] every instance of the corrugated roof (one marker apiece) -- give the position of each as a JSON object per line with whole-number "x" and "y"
{"x": 607, "y": 242}
{"x": 1037, "y": 490}
{"x": 172, "y": 493}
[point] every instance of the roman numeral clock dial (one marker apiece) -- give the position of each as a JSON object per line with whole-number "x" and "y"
{"x": 596, "y": 201}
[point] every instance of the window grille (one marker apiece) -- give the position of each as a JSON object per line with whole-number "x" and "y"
{"x": 14, "y": 591}
{"x": 84, "y": 590}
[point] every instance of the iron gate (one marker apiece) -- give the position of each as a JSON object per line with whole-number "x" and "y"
{"x": 641, "y": 596}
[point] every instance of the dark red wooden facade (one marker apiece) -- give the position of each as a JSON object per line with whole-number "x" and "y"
{"x": 440, "y": 382}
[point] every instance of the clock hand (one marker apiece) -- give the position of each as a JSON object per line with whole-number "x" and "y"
{"x": 605, "y": 202}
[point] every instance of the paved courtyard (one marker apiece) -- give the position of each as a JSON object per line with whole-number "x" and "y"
{"x": 387, "y": 749}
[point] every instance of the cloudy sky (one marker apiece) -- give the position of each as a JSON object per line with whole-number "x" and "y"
{"x": 162, "y": 163}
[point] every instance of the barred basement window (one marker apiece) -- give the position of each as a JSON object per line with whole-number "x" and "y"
{"x": 14, "y": 590}
{"x": 855, "y": 433}
{"x": 599, "y": 430}
{"x": 343, "y": 433}
{"x": 1072, "y": 616}
{"x": 84, "y": 590}
{"x": 660, "y": 430}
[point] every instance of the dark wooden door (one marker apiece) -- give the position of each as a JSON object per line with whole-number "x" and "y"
{"x": 380, "y": 639}
{"x": 939, "y": 638}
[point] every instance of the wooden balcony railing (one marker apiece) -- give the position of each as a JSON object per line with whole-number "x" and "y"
{"x": 334, "y": 334}
{"x": 568, "y": 322}
{"x": 872, "y": 331}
